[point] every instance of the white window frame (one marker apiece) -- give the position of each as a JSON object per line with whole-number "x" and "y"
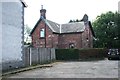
{"x": 42, "y": 33}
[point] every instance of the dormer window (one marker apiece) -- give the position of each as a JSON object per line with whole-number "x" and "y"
{"x": 42, "y": 33}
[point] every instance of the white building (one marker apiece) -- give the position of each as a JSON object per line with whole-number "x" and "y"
{"x": 12, "y": 33}
{"x": 119, "y": 6}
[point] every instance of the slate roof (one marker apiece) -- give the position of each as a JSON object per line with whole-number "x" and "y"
{"x": 64, "y": 28}
{"x": 72, "y": 27}
{"x": 55, "y": 27}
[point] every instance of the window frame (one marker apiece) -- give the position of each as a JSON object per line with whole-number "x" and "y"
{"x": 71, "y": 45}
{"x": 42, "y": 33}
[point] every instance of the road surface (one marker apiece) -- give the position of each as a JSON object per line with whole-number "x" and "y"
{"x": 74, "y": 69}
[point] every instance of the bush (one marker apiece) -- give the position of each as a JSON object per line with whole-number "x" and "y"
{"x": 76, "y": 54}
{"x": 93, "y": 53}
{"x": 67, "y": 54}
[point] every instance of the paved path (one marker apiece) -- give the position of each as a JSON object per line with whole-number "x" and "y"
{"x": 84, "y": 69}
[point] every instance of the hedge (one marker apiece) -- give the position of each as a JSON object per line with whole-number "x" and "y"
{"x": 93, "y": 53}
{"x": 76, "y": 54}
{"x": 67, "y": 54}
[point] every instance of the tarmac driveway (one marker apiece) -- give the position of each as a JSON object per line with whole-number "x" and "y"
{"x": 81, "y": 69}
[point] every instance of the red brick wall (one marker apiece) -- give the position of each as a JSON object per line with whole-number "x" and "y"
{"x": 36, "y": 41}
{"x": 66, "y": 39}
{"x": 80, "y": 40}
{"x": 87, "y": 38}
{"x": 51, "y": 39}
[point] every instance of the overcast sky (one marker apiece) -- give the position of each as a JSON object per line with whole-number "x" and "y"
{"x": 61, "y": 11}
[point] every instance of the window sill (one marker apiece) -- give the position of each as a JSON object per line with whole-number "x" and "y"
{"x": 42, "y": 38}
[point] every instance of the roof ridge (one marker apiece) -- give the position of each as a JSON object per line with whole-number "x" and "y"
{"x": 67, "y": 28}
{"x": 72, "y": 23}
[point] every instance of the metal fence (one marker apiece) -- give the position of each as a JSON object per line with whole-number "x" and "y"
{"x": 33, "y": 56}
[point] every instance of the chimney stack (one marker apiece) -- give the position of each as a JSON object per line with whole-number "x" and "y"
{"x": 43, "y": 12}
{"x": 85, "y": 18}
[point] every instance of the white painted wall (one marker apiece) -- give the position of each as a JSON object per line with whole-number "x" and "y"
{"x": 12, "y": 31}
{"x": 0, "y": 33}
{"x": 119, "y": 6}
{"x": 0, "y": 39}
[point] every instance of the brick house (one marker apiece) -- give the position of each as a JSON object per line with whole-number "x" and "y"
{"x": 50, "y": 34}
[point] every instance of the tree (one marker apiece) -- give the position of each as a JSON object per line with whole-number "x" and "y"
{"x": 107, "y": 30}
{"x": 73, "y": 21}
{"x": 77, "y": 20}
{"x": 27, "y": 31}
{"x": 70, "y": 21}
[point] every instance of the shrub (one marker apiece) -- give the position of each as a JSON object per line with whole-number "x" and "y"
{"x": 67, "y": 54}
{"x": 93, "y": 53}
{"x": 76, "y": 54}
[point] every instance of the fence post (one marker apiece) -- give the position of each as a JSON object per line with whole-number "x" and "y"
{"x": 30, "y": 57}
{"x": 50, "y": 55}
{"x": 38, "y": 55}
{"x": 26, "y": 56}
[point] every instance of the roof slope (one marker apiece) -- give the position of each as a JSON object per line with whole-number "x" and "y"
{"x": 72, "y": 27}
{"x": 64, "y": 28}
{"x": 55, "y": 27}
{"x": 91, "y": 29}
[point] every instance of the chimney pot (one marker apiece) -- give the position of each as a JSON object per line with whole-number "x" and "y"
{"x": 43, "y": 12}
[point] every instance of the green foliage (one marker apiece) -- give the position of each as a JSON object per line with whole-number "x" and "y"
{"x": 93, "y": 53}
{"x": 27, "y": 31}
{"x": 107, "y": 30}
{"x": 67, "y": 54}
{"x": 70, "y": 21}
{"x": 80, "y": 54}
{"x": 77, "y": 20}
{"x": 73, "y": 21}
